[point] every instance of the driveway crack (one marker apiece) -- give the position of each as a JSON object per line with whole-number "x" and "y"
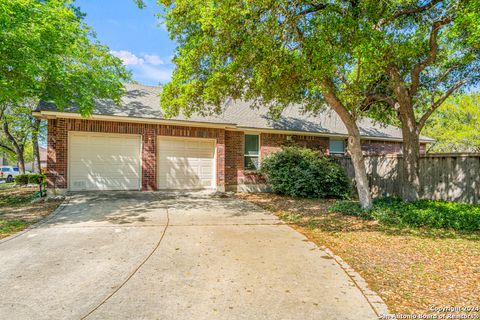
{"x": 134, "y": 271}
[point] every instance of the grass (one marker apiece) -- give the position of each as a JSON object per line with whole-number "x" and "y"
{"x": 9, "y": 227}
{"x": 410, "y": 268}
{"x": 422, "y": 213}
{"x": 21, "y": 207}
{"x": 7, "y": 185}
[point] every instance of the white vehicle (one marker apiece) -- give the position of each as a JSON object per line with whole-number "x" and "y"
{"x": 8, "y": 173}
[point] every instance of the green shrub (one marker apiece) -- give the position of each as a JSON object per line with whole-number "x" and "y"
{"x": 422, "y": 213}
{"x": 31, "y": 178}
{"x": 21, "y": 179}
{"x": 37, "y": 178}
{"x": 302, "y": 172}
{"x": 349, "y": 208}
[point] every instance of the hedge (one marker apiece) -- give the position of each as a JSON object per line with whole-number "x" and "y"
{"x": 301, "y": 172}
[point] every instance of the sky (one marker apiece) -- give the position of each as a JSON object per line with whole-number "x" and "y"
{"x": 134, "y": 35}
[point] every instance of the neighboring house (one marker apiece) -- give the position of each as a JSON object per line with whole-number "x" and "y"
{"x": 43, "y": 160}
{"x": 133, "y": 147}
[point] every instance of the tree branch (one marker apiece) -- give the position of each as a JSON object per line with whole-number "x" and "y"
{"x": 371, "y": 98}
{"x": 337, "y": 105}
{"x": 312, "y": 9}
{"x": 431, "y": 56}
{"x": 438, "y": 103}
{"x": 4, "y": 146}
{"x": 407, "y": 11}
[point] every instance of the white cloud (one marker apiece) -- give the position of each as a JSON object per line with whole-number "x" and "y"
{"x": 128, "y": 58}
{"x": 146, "y": 68}
{"x": 153, "y": 59}
{"x": 155, "y": 73}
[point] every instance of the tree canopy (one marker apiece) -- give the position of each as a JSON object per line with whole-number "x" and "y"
{"x": 456, "y": 125}
{"x": 48, "y": 53}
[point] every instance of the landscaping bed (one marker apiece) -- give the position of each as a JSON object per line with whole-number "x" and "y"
{"x": 21, "y": 207}
{"x": 412, "y": 269}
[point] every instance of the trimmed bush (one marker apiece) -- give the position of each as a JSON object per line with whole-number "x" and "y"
{"x": 422, "y": 213}
{"x": 37, "y": 178}
{"x": 30, "y": 178}
{"x": 301, "y": 172}
{"x": 21, "y": 179}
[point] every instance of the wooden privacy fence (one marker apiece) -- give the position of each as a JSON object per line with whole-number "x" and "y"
{"x": 453, "y": 177}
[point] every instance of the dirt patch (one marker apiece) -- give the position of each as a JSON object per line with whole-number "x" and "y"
{"x": 411, "y": 269}
{"x": 20, "y": 207}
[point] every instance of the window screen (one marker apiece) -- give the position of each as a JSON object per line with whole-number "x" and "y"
{"x": 337, "y": 146}
{"x": 252, "y": 152}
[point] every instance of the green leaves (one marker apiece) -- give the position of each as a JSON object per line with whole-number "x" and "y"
{"x": 301, "y": 172}
{"x": 48, "y": 53}
{"x": 456, "y": 125}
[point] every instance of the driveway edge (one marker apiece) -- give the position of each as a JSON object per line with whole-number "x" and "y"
{"x": 375, "y": 301}
{"x": 40, "y": 222}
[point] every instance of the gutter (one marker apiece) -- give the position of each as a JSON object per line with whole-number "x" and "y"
{"x": 227, "y": 126}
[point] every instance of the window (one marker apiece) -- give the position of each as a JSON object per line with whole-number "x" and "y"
{"x": 16, "y": 169}
{"x": 252, "y": 152}
{"x": 337, "y": 146}
{"x": 5, "y": 169}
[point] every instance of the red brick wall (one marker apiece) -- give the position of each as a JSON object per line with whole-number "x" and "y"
{"x": 375, "y": 147}
{"x": 229, "y": 148}
{"x": 269, "y": 143}
{"x": 58, "y": 129}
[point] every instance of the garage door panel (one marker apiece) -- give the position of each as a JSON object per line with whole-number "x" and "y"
{"x": 104, "y": 162}
{"x": 185, "y": 163}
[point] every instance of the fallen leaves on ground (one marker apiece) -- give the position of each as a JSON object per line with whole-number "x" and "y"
{"x": 411, "y": 269}
{"x": 19, "y": 209}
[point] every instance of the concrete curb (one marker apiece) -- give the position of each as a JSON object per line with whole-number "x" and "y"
{"x": 37, "y": 224}
{"x": 377, "y": 303}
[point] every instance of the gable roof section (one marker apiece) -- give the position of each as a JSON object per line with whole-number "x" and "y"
{"x": 143, "y": 102}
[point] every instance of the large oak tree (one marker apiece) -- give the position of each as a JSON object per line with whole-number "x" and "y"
{"x": 399, "y": 58}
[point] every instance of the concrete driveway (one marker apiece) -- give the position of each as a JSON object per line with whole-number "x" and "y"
{"x": 164, "y": 256}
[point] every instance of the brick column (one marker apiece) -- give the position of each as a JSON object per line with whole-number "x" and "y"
{"x": 57, "y": 154}
{"x": 149, "y": 160}
{"x": 221, "y": 161}
{"x": 51, "y": 154}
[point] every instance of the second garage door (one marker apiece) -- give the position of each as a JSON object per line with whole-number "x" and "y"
{"x": 186, "y": 163}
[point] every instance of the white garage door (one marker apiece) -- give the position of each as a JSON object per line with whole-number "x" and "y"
{"x": 186, "y": 163}
{"x": 99, "y": 161}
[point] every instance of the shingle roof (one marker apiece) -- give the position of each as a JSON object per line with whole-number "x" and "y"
{"x": 142, "y": 101}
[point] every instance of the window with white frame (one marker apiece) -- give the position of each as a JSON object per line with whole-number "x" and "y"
{"x": 252, "y": 152}
{"x": 337, "y": 146}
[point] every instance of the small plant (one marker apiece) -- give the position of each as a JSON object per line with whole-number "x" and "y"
{"x": 350, "y": 208}
{"x": 32, "y": 178}
{"x": 302, "y": 172}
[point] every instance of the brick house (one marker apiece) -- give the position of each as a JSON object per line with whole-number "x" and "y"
{"x": 133, "y": 146}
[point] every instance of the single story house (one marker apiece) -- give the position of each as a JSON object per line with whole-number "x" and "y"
{"x": 134, "y": 147}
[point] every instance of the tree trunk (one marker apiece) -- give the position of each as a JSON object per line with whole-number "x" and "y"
{"x": 19, "y": 148}
{"x": 36, "y": 151}
{"x": 411, "y": 157}
{"x": 21, "y": 162}
{"x": 410, "y": 135}
{"x": 361, "y": 179}
{"x": 354, "y": 143}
